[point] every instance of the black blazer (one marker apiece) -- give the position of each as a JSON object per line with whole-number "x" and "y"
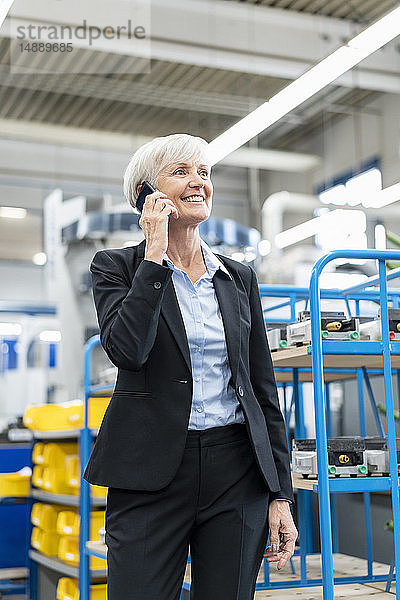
{"x": 142, "y": 437}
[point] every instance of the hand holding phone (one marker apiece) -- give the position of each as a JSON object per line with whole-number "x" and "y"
{"x": 145, "y": 190}
{"x": 154, "y": 229}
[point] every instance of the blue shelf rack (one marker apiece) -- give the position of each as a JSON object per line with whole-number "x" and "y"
{"x": 384, "y": 348}
{"x": 310, "y": 367}
{"x": 86, "y": 441}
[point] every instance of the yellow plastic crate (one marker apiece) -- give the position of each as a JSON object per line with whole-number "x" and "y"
{"x": 66, "y": 415}
{"x": 54, "y": 417}
{"x": 97, "y": 408}
{"x": 73, "y": 477}
{"x": 45, "y": 515}
{"x": 46, "y": 542}
{"x": 54, "y": 481}
{"x": 68, "y": 523}
{"x": 37, "y": 476}
{"x": 16, "y": 484}
{"x": 55, "y": 454}
{"x": 73, "y": 471}
{"x": 37, "y": 453}
{"x": 68, "y": 551}
{"x": 67, "y": 589}
{"x": 98, "y": 491}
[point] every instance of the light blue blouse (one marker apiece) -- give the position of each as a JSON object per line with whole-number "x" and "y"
{"x": 214, "y": 402}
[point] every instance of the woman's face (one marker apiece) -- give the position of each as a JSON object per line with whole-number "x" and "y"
{"x": 189, "y": 186}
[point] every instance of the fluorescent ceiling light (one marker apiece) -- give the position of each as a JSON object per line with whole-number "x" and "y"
{"x": 40, "y": 258}
{"x": 308, "y": 84}
{"x": 11, "y": 212}
{"x": 333, "y": 219}
{"x": 50, "y": 336}
{"x": 5, "y": 6}
{"x": 276, "y": 160}
{"x": 10, "y": 329}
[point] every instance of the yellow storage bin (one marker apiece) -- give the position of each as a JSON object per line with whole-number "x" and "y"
{"x": 45, "y": 541}
{"x": 37, "y": 476}
{"x": 67, "y": 589}
{"x": 66, "y": 415}
{"x": 68, "y": 523}
{"x": 45, "y": 515}
{"x": 73, "y": 477}
{"x": 53, "y": 417}
{"x": 98, "y": 491}
{"x": 73, "y": 471}
{"x": 97, "y": 408}
{"x": 54, "y": 454}
{"x": 16, "y": 484}
{"x": 37, "y": 453}
{"x": 54, "y": 481}
{"x": 68, "y": 551}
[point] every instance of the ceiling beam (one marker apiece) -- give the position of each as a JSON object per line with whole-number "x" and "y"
{"x": 232, "y": 36}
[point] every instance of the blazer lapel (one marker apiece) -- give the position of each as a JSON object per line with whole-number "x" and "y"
{"x": 172, "y": 313}
{"x": 228, "y": 300}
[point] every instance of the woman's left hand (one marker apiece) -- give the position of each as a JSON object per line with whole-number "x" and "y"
{"x": 283, "y": 533}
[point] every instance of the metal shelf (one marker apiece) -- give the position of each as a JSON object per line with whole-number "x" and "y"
{"x": 62, "y": 434}
{"x": 345, "y": 484}
{"x": 66, "y": 499}
{"x": 338, "y": 355}
{"x": 96, "y": 549}
{"x": 13, "y": 499}
{"x": 14, "y": 573}
{"x": 100, "y": 389}
{"x": 61, "y": 567}
{"x": 285, "y": 375}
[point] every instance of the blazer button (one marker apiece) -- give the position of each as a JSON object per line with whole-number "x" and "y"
{"x": 240, "y": 390}
{"x": 157, "y": 284}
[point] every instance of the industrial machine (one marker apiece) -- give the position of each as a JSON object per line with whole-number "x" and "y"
{"x": 346, "y": 456}
{"x": 378, "y": 456}
{"x": 277, "y": 338}
{"x": 335, "y": 326}
{"x": 372, "y": 330}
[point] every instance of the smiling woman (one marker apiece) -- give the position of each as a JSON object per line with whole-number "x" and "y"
{"x": 178, "y": 166}
{"x": 198, "y": 456}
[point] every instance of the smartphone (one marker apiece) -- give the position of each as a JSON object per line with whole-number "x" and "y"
{"x": 145, "y": 190}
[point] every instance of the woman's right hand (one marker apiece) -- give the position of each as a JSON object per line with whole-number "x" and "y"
{"x": 154, "y": 223}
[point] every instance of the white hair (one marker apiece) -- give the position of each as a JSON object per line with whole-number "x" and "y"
{"x": 154, "y": 156}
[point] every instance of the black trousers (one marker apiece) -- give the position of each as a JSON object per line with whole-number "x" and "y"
{"x": 217, "y": 503}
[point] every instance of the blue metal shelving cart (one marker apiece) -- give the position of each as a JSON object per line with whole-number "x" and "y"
{"x": 384, "y": 348}
{"x": 341, "y": 359}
